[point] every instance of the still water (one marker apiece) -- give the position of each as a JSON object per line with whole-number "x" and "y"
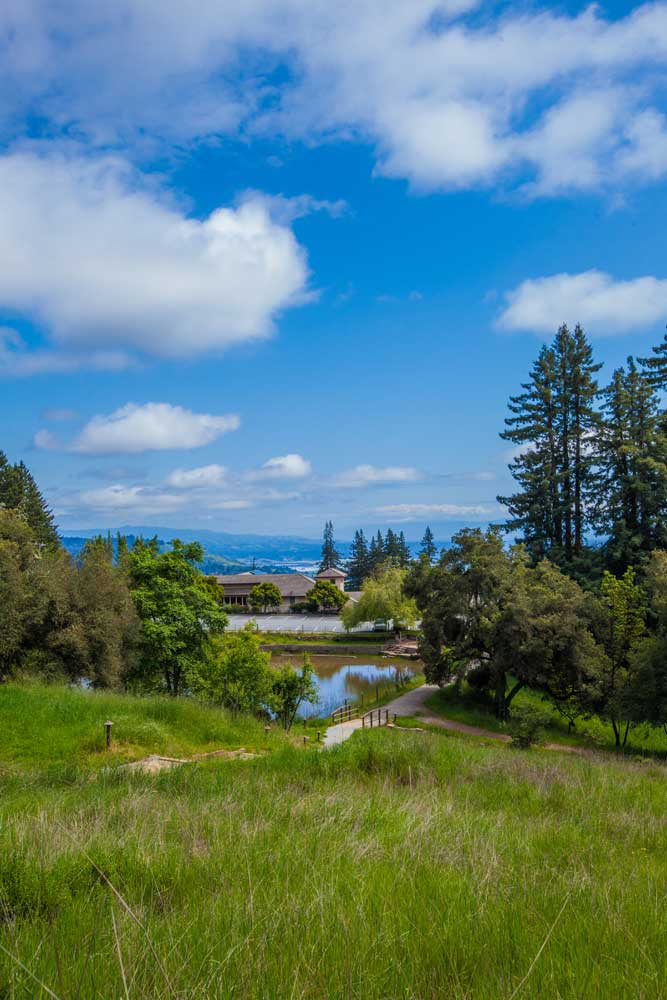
{"x": 341, "y": 678}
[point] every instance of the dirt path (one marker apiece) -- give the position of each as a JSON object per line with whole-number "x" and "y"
{"x": 413, "y": 703}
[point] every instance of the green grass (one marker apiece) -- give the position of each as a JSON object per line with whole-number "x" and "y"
{"x": 475, "y": 709}
{"x": 54, "y": 726}
{"x": 400, "y": 865}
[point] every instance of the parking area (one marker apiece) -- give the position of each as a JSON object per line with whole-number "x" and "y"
{"x": 295, "y": 623}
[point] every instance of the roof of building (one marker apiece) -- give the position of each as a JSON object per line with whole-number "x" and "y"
{"x": 289, "y": 584}
{"x": 331, "y": 574}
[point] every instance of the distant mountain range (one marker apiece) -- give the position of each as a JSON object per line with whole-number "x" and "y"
{"x": 226, "y": 552}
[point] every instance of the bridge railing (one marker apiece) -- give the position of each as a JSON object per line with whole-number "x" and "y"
{"x": 376, "y": 717}
{"x": 344, "y": 714}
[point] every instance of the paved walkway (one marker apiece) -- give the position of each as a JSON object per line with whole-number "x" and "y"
{"x": 413, "y": 703}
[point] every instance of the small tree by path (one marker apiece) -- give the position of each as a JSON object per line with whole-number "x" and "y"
{"x": 290, "y": 689}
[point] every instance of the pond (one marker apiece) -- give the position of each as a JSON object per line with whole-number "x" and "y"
{"x": 349, "y": 678}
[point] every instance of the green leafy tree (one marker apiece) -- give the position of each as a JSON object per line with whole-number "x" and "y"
{"x": 290, "y": 689}
{"x": 330, "y": 557}
{"x": 618, "y": 626}
{"x": 236, "y": 674}
{"x": 358, "y": 566}
{"x": 325, "y": 596}
{"x": 510, "y": 624}
{"x": 177, "y": 611}
{"x": 264, "y": 597}
{"x": 428, "y": 547}
{"x": 382, "y": 596}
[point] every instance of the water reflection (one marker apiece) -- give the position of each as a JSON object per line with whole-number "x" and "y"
{"x": 341, "y": 678}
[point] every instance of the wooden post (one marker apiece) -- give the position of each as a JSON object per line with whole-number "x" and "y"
{"x": 394, "y": 718}
{"x": 319, "y": 736}
{"x": 305, "y": 740}
{"x": 107, "y": 725}
{"x": 371, "y": 718}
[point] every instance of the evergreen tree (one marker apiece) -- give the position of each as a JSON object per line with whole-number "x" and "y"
{"x": 376, "y": 553}
{"x": 632, "y": 477}
{"x": 428, "y": 547}
{"x": 655, "y": 367}
{"x": 391, "y": 549}
{"x": 330, "y": 556}
{"x": 554, "y": 422}
{"x": 403, "y": 551}
{"x": 358, "y": 566}
{"x": 19, "y": 492}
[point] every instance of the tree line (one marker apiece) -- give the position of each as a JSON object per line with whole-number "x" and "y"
{"x": 124, "y": 615}
{"x": 368, "y": 557}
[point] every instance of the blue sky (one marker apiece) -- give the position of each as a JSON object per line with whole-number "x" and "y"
{"x": 267, "y": 264}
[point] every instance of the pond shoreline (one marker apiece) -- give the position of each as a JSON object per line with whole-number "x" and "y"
{"x": 322, "y": 649}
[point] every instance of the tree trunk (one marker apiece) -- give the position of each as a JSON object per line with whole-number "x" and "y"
{"x": 500, "y": 701}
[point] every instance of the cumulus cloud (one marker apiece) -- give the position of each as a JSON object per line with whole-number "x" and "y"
{"x": 449, "y": 98}
{"x": 593, "y": 298}
{"x": 418, "y": 511}
{"x": 204, "y": 476}
{"x": 283, "y": 467}
{"x": 152, "y": 427}
{"x": 368, "y": 475}
{"x": 125, "y": 498}
{"x": 110, "y": 269}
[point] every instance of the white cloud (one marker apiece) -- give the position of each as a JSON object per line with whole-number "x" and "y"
{"x": 283, "y": 467}
{"x": 448, "y": 100}
{"x": 135, "y": 498}
{"x": 593, "y": 298}
{"x": 110, "y": 268}
{"x": 418, "y": 511}
{"x": 367, "y": 475}
{"x": 205, "y": 476}
{"x": 45, "y": 440}
{"x": 151, "y": 427}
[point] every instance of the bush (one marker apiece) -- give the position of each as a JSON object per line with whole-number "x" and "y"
{"x": 526, "y": 726}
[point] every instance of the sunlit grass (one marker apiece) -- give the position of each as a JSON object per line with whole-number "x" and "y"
{"x": 400, "y": 865}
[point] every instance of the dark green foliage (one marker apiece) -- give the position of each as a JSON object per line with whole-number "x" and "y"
{"x": 526, "y": 726}
{"x": 428, "y": 547}
{"x": 330, "y": 556}
{"x": 358, "y": 566}
{"x": 19, "y": 492}
{"x": 553, "y": 423}
{"x": 485, "y": 605}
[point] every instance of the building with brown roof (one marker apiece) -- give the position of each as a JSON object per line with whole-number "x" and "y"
{"x": 294, "y": 587}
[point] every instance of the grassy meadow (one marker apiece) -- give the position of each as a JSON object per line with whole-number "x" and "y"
{"x": 399, "y": 865}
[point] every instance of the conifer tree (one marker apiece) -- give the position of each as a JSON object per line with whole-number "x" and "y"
{"x": 330, "y": 556}
{"x": 403, "y": 551}
{"x": 655, "y": 366}
{"x": 376, "y": 552}
{"x": 632, "y": 477}
{"x": 358, "y": 567}
{"x": 428, "y": 547}
{"x": 554, "y": 422}
{"x": 391, "y": 547}
{"x": 19, "y": 492}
